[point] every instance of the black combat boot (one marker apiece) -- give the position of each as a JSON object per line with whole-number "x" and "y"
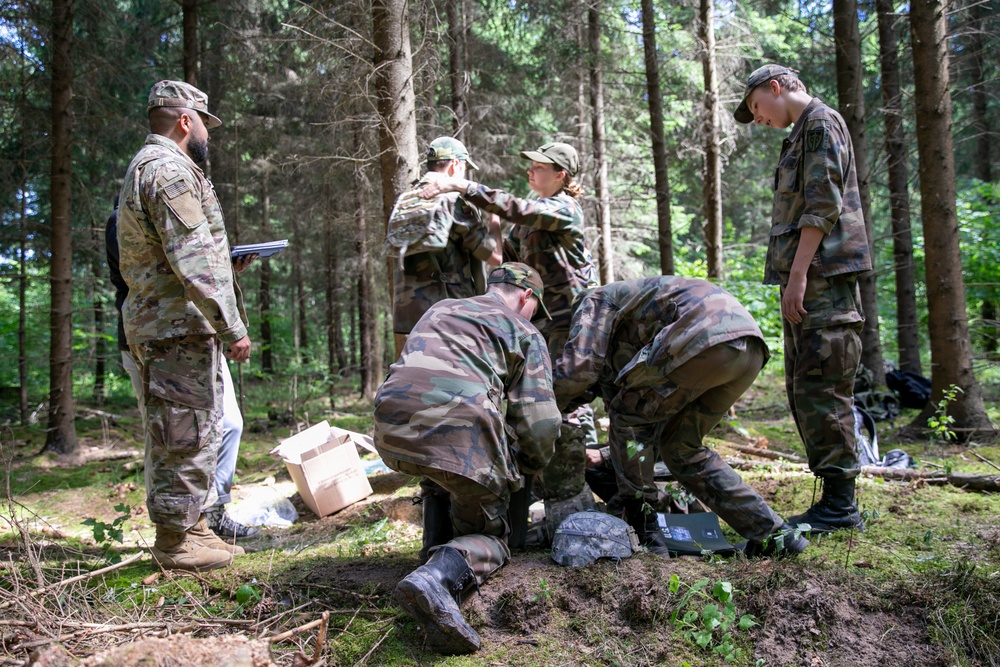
{"x": 646, "y": 527}
{"x": 834, "y": 511}
{"x": 437, "y": 522}
{"x": 785, "y": 542}
{"x": 431, "y": 594}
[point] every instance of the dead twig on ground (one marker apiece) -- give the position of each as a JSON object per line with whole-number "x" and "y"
{"x": 766, "y": 453}
{"x": 985, "y": 460}
{"x": 364, "y": 658}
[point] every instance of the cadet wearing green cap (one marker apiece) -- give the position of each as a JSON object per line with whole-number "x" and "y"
{"x": 456, "y": 271}
{"x": 549, "y": 236}
{"x": 469, "y": 405}
{"x": 818, "y": 247}
{"x": 183, "y": 307}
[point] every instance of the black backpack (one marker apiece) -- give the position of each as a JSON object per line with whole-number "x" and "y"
{"x": 913, "y": 390}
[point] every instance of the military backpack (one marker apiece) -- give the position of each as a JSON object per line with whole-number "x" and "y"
{"x": 418, "y": 225}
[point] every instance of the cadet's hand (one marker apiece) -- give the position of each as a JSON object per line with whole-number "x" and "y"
{"x": 240, "y": 350}
{"x": 594, "y": 458}
{"x": 243, "y": 262}
{"x": 791, "y": 300}
{"x": 443, "y": 184}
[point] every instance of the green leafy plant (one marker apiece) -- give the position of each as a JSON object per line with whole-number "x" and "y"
{"x": 108, "y": 534}
{"x": 940, "y": 422}
{"x": 544, "y": 591}
{"x": 709, "y": 621}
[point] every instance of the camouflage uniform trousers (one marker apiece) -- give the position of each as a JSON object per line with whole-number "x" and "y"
{"x": 182, "y": 388}
{"x": 820, "y": 367}
{"x": 563, "y": 477}
{"x": 701, "y": 392}
{"x": 478, "y": 517}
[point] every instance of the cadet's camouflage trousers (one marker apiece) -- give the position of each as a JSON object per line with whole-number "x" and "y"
{"x": 700, "y": 393}
{"x": 183, "y": 393}
{"x": 563, "y": 477}
{"x": 478, "y": 518}
{"x": 820, "y": 367}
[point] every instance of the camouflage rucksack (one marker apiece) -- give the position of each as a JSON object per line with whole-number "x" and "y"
{"x": 584, "y": 537}
{"x": 418, "y": 225}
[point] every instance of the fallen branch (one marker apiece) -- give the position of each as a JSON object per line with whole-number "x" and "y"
{"x": 766, "y": 453}
{"x": 294, "y": 631}
{"x": 960, "y": 480}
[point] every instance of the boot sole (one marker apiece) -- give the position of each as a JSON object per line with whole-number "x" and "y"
{"x": 445, "y": 628}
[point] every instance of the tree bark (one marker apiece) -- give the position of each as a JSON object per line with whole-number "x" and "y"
{"x": 600, "y": 148}
{"x": 908, "y": 340}
{"x": 951, "y": 353}
{"x": 366, "y": 319}
{"x": 713, "y": 149}
{"x": 852, "y": 108}
{"x": 980, "y": 96}
{"x": 100, "y": 341}
{"x": 189, "y": 23}
{"x": 397, "y": 129}
{"x": 22, "y": 302}
{"x": 658, "y": 137}
{"x": 266, "y": 335}
{"x": 61, "y": 434}
{"x": 456, "y": 67}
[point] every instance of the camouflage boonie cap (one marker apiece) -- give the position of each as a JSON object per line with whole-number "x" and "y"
{"x": 760, "y": 76}
{"x": 521, "y": 275}
{"x": 184, "y": 95}
{"x": 561, "y": 155}
{"x": 449, "y": 148}
{"x": 587, "y": 536}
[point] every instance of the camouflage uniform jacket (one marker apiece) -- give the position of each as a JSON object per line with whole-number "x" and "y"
{"x": 816, "y": 185}
{"x": 455, "y": 272}
{"x": 442, "y": 405}
{"x": 549, "y": 238}
{"x": 174, "y": 254}
{"x": 628, "y": 336}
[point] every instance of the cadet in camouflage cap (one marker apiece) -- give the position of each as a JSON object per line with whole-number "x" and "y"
{"x": 183, "y": 95}
{"x": 449, "y": 148}
{"x": 817, "y": 248}
{"x": 669, "y": 356}
{"x": 521, "y": 275}
{"x": 760, "y": 76}
{"x": 468, "y": 405}
{"x": 555, "y": 152}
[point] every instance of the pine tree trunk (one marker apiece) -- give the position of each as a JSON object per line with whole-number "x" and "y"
{"x": 61, "y": 434}
{"x": 581, "y": 95}
{"x": 100, "y": 342}
{"x": 980, "y": 96}
{"x": 189, "y": 23}
{"x": 907, "y": 334}
{"x": 22, "y": 305}
{"x": 397, "y": 128}
{"x": 366, "y": 321}
{"x": 600, "y": 148}
{"x": 951, "y": 353}
{"x": 266, "y": 335}
{"x": 713, "y": 149}
{"x": 852, "y": 108}
{"x": 658, "y": 138}
{"x": 456, "y": 67}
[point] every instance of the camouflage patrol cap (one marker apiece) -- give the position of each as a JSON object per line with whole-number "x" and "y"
{"x": 184, "y": 95}
{"x": 561, "y": 155}
{"x": 521, "y": 275}
{"x": 584, "y": 537}
{"x": 759, "y": 77}
{"x": 449, "y": 148}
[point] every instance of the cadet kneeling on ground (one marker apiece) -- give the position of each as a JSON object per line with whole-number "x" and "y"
{"x": 440, "y": 415}
{"x": 670, "y": 356}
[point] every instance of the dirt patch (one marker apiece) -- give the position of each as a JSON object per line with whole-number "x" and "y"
{"x": 833, "y": 620}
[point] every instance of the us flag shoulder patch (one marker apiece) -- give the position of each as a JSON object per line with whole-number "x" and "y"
{"x": 175, "y": 188}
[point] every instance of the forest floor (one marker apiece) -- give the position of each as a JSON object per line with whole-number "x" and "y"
{"x": 920, "y": 586}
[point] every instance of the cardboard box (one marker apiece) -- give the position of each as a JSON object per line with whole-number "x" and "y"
{"x": 326, "y": 468}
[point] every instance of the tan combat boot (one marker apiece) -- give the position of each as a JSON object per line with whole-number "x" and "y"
{"x": 180, "y": 551}
{"x": 200, "y": 531}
